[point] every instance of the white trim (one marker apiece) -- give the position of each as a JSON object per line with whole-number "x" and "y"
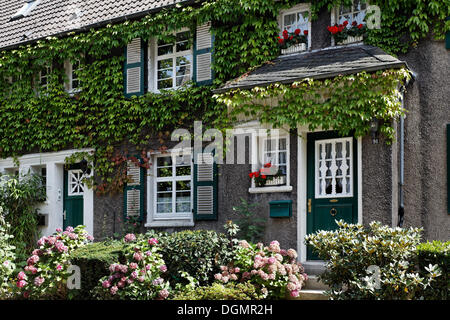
{"x": 68, "y": 68}
{"x": 270, "y": 189}
{"x": 302, "y": 160}
{"x": 53, "y": 207}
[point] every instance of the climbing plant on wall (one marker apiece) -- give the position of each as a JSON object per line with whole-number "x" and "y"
{"x": 36, "y": 119}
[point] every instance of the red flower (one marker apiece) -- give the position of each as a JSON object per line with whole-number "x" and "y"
{"x": 263, "y": 176}
{"x": 280, "y": 40}
{"x": 285, "y": 32}
{"x": 256, "y": 174}
{"x": 360, "y": 26}
{"x": 250, "y": 174}
{"x": 291, "y": 37}
{"x": 297, "y": 31}
{"x": 305, "y": 32}
{"x": 267, "y": 165}
{"x": 354, "y": 23}
{"x": 285, "y": 36}
{"x": 345, "y": 23}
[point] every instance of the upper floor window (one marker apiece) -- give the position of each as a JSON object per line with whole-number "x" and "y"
{"x": 173, "y": 62}
{"x": 296, "y": 20}
{"x": 354, "y": 14}
{"x": 44, "y": 76}
{"x": 73, "y": 70}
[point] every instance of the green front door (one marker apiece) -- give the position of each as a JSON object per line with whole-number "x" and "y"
{"x": 332, "y": 182}
{"x": 73, "y": 196}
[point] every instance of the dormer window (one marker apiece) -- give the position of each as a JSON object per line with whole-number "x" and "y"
{"x": 26, "y": 9}
{"x": 355, "y": 13}
{"x": 296, "y": 20}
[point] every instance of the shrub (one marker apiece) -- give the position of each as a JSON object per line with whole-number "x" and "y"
{"x": 217, "y": 291}
{"x": 7, "y": 258}
{"x": 46, "y": 273}
{"x": 94, "y": 260}
{"x": 251, "y": 228}
{"x": 140, "y": 277}
{"x": 199, "y": 253}
{"x": 438, "y": 253}
{"x": 273, "y": 271}
{"x": 354, "y": 252}
{"x": 18, "y": 198}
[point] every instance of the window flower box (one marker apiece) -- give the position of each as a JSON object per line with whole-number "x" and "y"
{"x": 293, "y": 42}
{"x": 276, "y": 181}
{"x": 351, "y": 39}
{"x": 295, "y": 48}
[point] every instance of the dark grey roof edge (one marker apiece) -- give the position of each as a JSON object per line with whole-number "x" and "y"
{"x": 318, "y": 77}
{"x": 100, "y": 24}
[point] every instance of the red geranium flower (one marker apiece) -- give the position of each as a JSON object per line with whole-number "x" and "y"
{"x": 285, "y": 36}
{"x": 285, "y": 32}
{"x": 267, "y": 165}
{"x": 345, "y": 23}
{"x": 297, "y": 31}
{"x": 354, "y": 23}
{"x": 360, "y": 26}
{"x": 305, "y": 32}
{"x": 263, "y": 176}
{"x": 250, "y": 174}
{"x": 291, "y": 37}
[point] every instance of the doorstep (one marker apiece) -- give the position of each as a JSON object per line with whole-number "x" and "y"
{"x": 314, "y": 267}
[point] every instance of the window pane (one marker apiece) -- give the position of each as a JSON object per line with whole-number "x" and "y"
{"x": 165, "y": 84}
{"x": 183, "y": 206}
{"x": 282, "y": 158}
{"x": 183, "y": 171}
{"x": 164, "y": 161}
{"x": 270, "y": 145}
{"x": 183, "y": 36}
{"x": 164, "y": 186}
{"x": 165, "y": 74}
{"x": 165, "y": 49}
{"x": 183, "y": 185}
{"x": 165, "y": 64}
{"x": 289, "y": 21}
{"x": 164, "y": 207}
{"x": 282, "y": 145}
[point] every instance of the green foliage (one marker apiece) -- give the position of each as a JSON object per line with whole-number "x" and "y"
{"x": 198, "y": 253}
{"x": 94, "y": 260}
{"x": 18, "y": 198}
{"x": 318, "y": 103}
{"x": 352, "y": 251}
{"x": 7, "y": 258}
{"x": 436, "y": 253}
{"x": 217, "y": 291}
{"x": 48, "y": 269}
{"x": 251, "y": 228}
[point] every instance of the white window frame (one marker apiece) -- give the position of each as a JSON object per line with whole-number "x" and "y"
{"x": 258, "y": 135}
{"x": 48, "y": 68}
{"x": 301, "y": 7}
{"x": 173, "y": 219}
{"x": 317, "y": 168}
{"x": 335, "y": 17}
{"x": 154, "y": 58}
{"x": 80, "y": 185}
{"x": 68, "y": 66}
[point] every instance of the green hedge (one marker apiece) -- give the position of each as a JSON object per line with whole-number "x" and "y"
{"x": 229, "y": 291}
{"x": 94, "y": 260}
{"x": 436, "y": 252}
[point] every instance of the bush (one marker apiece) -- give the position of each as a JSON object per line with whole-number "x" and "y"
{"x": 353, "y": 251}
{"x": 273, "y": 271}
{"x": 47, "y": 270}
{"x": 18, "y": 198}
{"x": 94, "y": 260}
{"x": 217, "y": 291}
{"x": 7, "y": 257}
{"x": 140, "y": 276}
{"x": 438, "y": 253}
{"x": 199, "y": 253}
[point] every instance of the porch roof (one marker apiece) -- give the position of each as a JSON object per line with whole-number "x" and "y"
{"x": 58, "y": 17}
{"x": 316, "y": 64}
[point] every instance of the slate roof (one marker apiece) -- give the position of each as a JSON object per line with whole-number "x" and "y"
{"x": 318, "y": 64}
{"x": 54, "y": 17}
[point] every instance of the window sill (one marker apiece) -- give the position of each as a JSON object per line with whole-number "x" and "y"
{"x": 270, "y": 189}
{"x": 169, "y": 223}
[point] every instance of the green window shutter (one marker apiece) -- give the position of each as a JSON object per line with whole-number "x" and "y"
{"x": 448, "y": 168}
{"x": 134, "y": 68}
{"x": 134, "y": 191}
{"x": 203, "y": 55}
{"x": 447, "y": 38}
{"x": 205, "y": 187}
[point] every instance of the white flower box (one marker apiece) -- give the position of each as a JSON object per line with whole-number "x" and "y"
{"x": 351, "y": 40}
{"x": 276, "y": 181}
{"x": 295, "y": 48}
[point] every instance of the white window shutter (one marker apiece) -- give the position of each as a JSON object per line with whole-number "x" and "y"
{"x": 203, "y": 54}
{"x": 134, "y": 68}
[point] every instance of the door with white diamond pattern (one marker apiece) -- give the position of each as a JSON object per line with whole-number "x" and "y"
{"x": 73, "y": 196}
{"x": 332, "y": 182}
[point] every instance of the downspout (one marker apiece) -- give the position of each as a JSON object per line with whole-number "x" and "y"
{"x": 401, "y": 207}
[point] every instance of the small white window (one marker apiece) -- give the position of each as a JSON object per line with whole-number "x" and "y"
{"x": 353, "y": 15}
{"x": 171, "y": 62}
{"x": 25, "y": 9}
{"x": 172, "y": 186}
{"x": 297, "y": 17}
{"x": 44, "y": 76}
{"x": 72, "y": 72}
{"x": 75, "y": 182}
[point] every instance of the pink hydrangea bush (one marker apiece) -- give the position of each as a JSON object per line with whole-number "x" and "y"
{"x": 274, "y": 271}
{"x": 141, "y": 277}
{"x": 46, "y": 272}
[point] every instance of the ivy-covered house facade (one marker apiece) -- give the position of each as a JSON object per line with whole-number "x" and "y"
{"x": 96, "y": 94}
